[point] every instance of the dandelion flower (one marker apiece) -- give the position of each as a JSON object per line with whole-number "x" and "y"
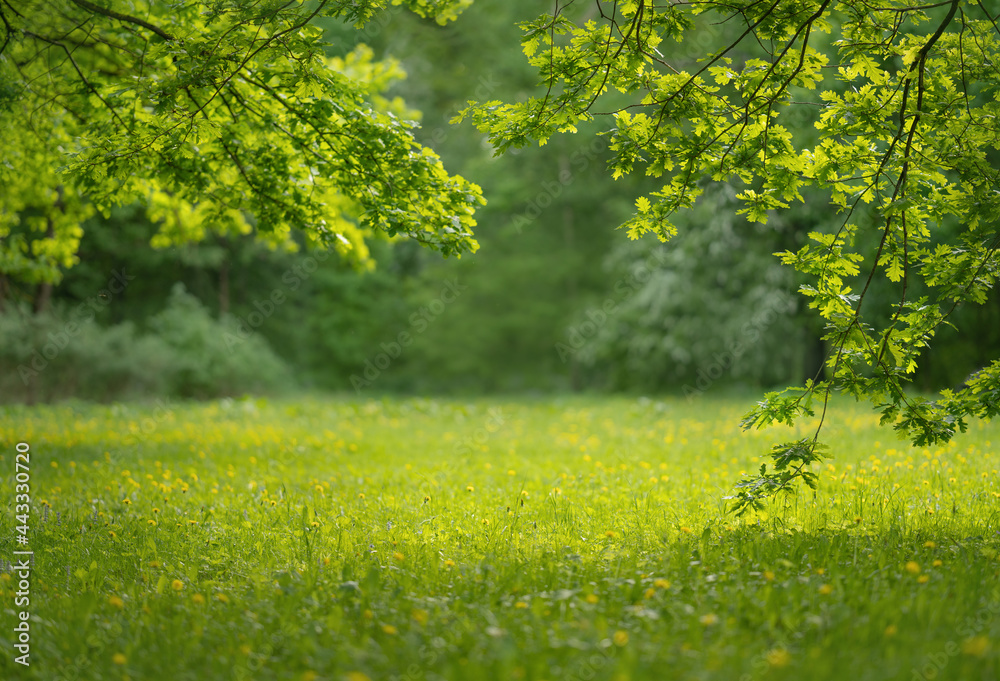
{"x": 929, "y": 545}
{"x": 826, "y": 590}
{"x": 470, "y": 488}
{"x": 520, "y": 605}
{"x": 891, "y": 630}
{"x": 923, "y": 579}
{"x": 661, "y": 584}
{"x": 222, "y": 598}
{"x": 118, "y": 658}
{"x": 913, "y": 567}
{"x": 768, "y": 575}
{"x": 389, "y": 629}
{"x": 976, "y": 646}
{"x": 937, "y": 563}
{"x": 357, "y": 676}
{"x": 399, "y": 556}
{"x": 198, "y": 599}
{"x": 177, "y": 585}
{"x": 778, "y": 657}
{"x": 620, "y": 638}
{"x": 592, "y": 598}
{"x": 449, "y": 563}
{"x": 116, "y": 602}
{"x": 709, "y": 619}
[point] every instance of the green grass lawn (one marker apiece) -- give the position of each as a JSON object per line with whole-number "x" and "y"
{"x": 552, "y": 539}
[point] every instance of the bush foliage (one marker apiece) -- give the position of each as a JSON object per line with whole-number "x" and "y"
{"x": 181, "y": 352}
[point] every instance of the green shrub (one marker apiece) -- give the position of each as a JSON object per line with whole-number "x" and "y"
{"x": 184, "y": 353}
{"x": 211, "y": 357}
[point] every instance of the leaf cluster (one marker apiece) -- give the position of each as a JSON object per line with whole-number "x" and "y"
{"x": 223, "y": 116}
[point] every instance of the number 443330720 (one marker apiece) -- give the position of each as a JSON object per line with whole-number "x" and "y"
{"x": 22, "y": 490}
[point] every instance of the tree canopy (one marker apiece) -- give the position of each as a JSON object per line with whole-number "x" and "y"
{"x": 223, "y": 116}
{"x": 903, "y": 102}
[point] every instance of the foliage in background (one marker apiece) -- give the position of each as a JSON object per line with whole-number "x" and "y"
{"x": 905, "y": 101}
{"x": 184, "y": 353}
{"x": 711, "y": 308}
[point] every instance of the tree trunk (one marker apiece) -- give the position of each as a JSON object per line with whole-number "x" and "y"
{"x": 43, "y": 297}
{"x": 571, "y": 284}
{"x": 224, "y": 287}
{"x": 43, "y": 294}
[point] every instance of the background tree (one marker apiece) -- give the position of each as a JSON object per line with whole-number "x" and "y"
{"x": 711, "y": 309}
{"x": 904, "y": 101}
{"x": 217, "y": 115}
{"x": 543, "y": 233}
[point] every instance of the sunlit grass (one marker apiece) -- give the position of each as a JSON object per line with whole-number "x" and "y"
{"x": 559, "y": 539}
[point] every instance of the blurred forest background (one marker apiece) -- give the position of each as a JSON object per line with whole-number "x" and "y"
{"x": 555, "y": 300}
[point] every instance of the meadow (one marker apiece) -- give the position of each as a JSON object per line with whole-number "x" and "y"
{"x": 577, "y": 538}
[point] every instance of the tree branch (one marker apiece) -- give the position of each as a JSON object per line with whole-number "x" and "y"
{"x": 9, "y": 30}
{"x": 85, "y": 4}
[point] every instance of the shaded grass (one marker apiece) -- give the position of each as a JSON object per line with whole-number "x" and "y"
{"x": 557, "y": 539}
